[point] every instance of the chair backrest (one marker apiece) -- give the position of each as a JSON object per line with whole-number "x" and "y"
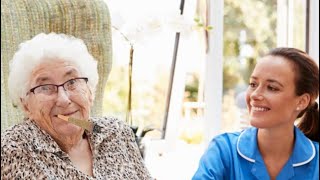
{"x": 88, "y": 20}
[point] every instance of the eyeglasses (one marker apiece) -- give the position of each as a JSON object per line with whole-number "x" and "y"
{"x": 50, "y": 89}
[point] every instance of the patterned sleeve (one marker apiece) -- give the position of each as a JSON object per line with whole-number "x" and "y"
{"x": 16, "y": 164}
{"x": 134, "y": 153}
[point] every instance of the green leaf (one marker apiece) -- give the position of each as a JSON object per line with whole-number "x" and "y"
{"x": 200, "y": 24}
{"x": 196, "y": 19}
{"x": 209, "y": 28}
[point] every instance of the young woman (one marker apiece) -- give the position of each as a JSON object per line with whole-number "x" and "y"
{"x": 283, "y": 87}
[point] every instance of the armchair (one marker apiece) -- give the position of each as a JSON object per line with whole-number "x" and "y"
{"x": 88, "y": 20}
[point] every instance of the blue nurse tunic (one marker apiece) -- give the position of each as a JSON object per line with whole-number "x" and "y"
{"x": 236, "y": 156}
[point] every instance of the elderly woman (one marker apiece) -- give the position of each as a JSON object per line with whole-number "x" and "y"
{"x": 53, "y": 79}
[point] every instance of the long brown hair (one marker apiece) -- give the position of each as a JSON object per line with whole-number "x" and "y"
{"x": 306, "y": 81}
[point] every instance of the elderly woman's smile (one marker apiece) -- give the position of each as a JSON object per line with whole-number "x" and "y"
{"x": 59, "y": 89}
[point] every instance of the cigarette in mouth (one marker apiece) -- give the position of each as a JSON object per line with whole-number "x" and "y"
{"x": 79, "y": 122}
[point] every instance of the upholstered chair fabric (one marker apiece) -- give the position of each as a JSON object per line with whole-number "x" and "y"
{"x": 88, "y": 20}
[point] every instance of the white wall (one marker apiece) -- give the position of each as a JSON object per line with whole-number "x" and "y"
{"x": 314, "y": 30}
{"x": 214, "y": 73}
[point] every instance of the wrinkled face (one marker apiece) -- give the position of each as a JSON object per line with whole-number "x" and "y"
{"x": 271, "y": 97}
{"x": 43, "y": 108}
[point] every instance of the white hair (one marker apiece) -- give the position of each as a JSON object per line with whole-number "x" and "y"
{"x": 49, "y": 47}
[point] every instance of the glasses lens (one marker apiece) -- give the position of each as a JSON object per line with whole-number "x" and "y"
{"x": 45, "y": 89}
{"x": 74, "y": 84}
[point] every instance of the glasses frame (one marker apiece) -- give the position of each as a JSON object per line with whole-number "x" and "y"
{"x": 32, "y": 89}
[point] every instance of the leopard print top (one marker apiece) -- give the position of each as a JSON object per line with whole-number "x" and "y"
{"x": 27, "y": 152}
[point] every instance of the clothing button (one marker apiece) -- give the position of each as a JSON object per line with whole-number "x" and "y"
{"x": 254, "y": 169}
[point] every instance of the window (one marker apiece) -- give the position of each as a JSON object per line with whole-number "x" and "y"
{"x": 250, "y": 30}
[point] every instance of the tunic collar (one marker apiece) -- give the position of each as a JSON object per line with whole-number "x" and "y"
{"x": 303, "y": 151}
